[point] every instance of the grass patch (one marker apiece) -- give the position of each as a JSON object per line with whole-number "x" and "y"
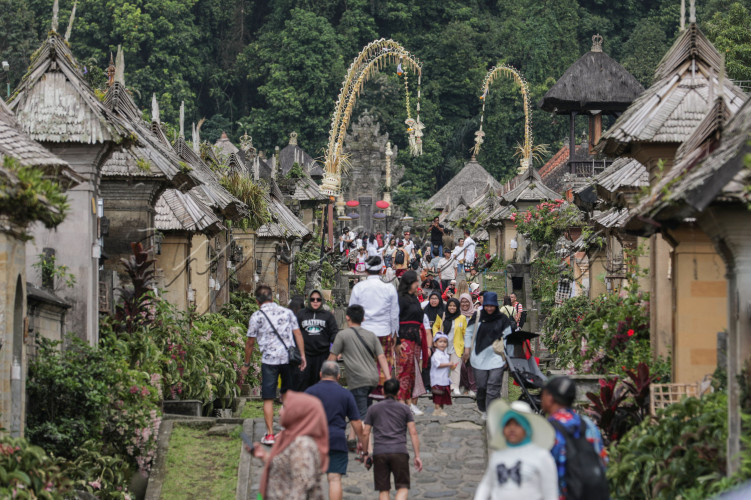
{"x": 254, "y": 409}
{"x": 201, "y": 466}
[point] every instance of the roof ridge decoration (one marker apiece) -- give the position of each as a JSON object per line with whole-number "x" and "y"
{"x": 120, "y": 66}
{"x": 55, "y": 12}
{"x": 293, "y": 139}
{"x": 596, "y": 43}
{"x": 155, "y": 116}
{"x": 70, "y": 22}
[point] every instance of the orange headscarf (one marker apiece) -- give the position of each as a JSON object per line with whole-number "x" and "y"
{"x": 303, "y": 415}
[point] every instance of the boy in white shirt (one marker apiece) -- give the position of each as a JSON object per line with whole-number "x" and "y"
{"x": 440, "y": 367}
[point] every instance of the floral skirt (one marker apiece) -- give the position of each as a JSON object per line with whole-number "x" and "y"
{"x": 387, "y": 342}
{"x": 406, "y": 370}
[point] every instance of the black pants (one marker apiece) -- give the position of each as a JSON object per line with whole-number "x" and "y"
{"x": 312, "y": 373}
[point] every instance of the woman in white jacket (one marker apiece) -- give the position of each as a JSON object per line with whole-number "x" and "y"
{"x": 521, "y": 465}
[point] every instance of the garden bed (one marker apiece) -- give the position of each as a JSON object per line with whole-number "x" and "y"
{"x": 200, "y": 465}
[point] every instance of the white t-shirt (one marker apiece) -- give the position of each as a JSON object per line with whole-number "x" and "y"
{"x": 471, "y": 247}
{"x": 440, "y": 376}
{"x": 409, "y": 248}
{"x": 526, "y": 471}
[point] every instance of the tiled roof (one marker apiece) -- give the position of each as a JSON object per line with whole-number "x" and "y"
{"x": 469, "y": 183}
{"x": 674, "y": 105}
{"x": 54, "y": 103}
{"x": 623, "y": 173}
{"x": 291, "y": 154}
{"x": 225, "y": 146}
{"x": 614, "y": 217}
{"x": 306, "y": 189}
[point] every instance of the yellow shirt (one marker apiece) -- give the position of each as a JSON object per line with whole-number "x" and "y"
{"x": 458, "y": 331}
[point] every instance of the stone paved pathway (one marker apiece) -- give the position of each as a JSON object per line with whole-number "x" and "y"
{"x": 453, "y": 451}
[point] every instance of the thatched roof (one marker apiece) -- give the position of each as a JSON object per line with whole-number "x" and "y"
{"x": 292, "y": 153}
{"x": 178, "y": 211}
{"x": 29, "y": 153}
{"x": 530, "y": 187}
{"x": 225, "y": 146}
{"x": 673, "y": 106}
{"x": 54, "y": 103}
{"x": 469, "y": 183}
{"x": 594, "y": 82}
{"x": 714, "y": 171}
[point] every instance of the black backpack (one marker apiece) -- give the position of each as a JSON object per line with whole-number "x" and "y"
{"x": 399, "y": 257}
{"x": 585, "y": 475}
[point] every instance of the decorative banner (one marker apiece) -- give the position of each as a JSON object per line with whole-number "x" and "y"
{"x": 382, "y": 204}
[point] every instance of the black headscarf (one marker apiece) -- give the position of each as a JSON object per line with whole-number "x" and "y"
{"x": 489, "y": 329}
{"x": 449, "y": 318}
{"x": 436, "y": 311}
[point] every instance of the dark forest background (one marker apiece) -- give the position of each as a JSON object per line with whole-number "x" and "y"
{"x": 273, "y": 67}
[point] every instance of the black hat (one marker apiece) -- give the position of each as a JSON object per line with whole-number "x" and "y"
{"x": 563, "y": 390}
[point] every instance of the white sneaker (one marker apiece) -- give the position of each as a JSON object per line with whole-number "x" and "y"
{"x": 483, "y": 415}
{"x": 415, "y": 410}
{"x": 471, "y": 393}
{"x": 456, "y": 392}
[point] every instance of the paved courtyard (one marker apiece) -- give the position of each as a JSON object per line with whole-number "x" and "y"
{"x": 453, "y": 451}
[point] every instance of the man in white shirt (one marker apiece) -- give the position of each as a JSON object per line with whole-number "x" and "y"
{"x": 458, "y": 255}
{"x": 381, "y": 305}
{"x": 446, "y": 268}
{"x": 470, "y": 250}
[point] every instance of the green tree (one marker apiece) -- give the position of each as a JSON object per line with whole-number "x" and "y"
{"x": 643, "y": 50}
{"x": 730, "y": 31}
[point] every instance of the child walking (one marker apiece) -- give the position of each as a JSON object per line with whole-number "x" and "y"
{"x": 440, "y": 366}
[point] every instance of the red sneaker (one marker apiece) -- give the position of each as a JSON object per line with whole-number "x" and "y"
{"x": 268, "y": 439}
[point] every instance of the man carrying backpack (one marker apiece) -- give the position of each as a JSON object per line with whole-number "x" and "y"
{"x": 579, "y": 453}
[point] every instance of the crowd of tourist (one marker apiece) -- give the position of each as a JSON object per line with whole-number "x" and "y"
{"x": 435, "y": 333}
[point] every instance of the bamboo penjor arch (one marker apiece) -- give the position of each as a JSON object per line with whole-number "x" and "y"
{"x": 374, "y": 57}
{"x": 525, "y": 150}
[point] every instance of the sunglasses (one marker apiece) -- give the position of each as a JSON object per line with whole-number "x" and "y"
{"x": 314, "y": 299}
{"x": 406, "y": 234}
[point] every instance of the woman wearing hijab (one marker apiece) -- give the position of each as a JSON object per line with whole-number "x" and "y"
{"x": 435, "y": 307}
{"x": 294, "y": 466}
{"x": 454, "y": 325}
{"x": 484, "y": 329}
{"x": 412, "y": 342}
{"x": 521, "y": 465}
{"x": 467, "y": 378}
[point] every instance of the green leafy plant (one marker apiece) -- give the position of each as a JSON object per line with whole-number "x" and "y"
{"x": 27, "y": 471}
{"x": 253, "y": 195}
{"x": 50, "y": 270}
{"x": 26, "y": 195}
{"x": 682, "y": 450}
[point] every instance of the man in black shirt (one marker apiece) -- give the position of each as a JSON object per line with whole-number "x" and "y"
{"x": 436, "y": 237}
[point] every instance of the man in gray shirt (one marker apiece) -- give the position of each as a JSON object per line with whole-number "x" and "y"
{"x": 360, "y": 349}
{"x": 390, "y": 422}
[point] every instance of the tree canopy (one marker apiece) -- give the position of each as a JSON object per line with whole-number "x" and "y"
{"x": 270, "y": 68}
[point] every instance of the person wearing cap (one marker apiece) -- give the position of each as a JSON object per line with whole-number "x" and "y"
{"x": 558, "y": 396}
{"x": 520, "y": 465}
{"x": 482, "y": 330}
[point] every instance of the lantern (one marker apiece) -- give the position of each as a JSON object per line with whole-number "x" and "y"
{"x": 353, "y": 203}
{"x": 379, "y": 215}
{"x": 382, "y": 204}
{"x": 353, "y": 216}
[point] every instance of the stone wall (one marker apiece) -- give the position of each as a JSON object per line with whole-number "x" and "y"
{"x": 12, "y": 329}
{"x": 366, "y": 178}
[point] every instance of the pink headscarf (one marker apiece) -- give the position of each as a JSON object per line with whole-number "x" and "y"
{"x": 467, "y": 312}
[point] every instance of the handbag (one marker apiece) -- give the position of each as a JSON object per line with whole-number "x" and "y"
{"x": 295, "y": 358}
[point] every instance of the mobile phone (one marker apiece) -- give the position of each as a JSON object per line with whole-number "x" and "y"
{"x": 247, "y": 441}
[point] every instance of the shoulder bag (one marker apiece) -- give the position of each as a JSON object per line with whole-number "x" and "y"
{"x": 365, "y": 344}
{"x": 295, "y": 358}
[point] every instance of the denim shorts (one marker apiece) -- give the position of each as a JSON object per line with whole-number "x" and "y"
{"x": 270, "y": 375}
{"x": 362, "y": 400}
